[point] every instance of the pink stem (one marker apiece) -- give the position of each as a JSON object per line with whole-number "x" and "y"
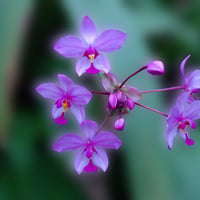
{"x": 104, "y": 121}
{"x": 104, "y": 93}
{"x": 132, "y": 76}
{"x": 164, "y": 89}
{"x": 164, "y": 114}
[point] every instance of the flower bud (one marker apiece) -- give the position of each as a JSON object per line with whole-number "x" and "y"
{"x": 156, "y": 68}
{"x": 130, "y": 104}
{"x": 112, "y": 100}
{"x": 119, "y": 124}
{"x": 121, "y": 97}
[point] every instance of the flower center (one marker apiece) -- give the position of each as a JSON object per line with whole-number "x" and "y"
{"x": 66, "y": 104}
{"x": 89, "y": 149}
{"x": 91, "y": 57}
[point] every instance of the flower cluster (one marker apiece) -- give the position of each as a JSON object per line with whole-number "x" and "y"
{"x": 121, "y": 99}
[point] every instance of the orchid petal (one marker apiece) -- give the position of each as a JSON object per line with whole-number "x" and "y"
{"x": 81, "y": 161}
{"x": 56, "y": 112}
{"x": 101, "y": 63}
{"x": 171, "y": 134}
{"x": 182, "y": 66}
{"x": 82, "y": 65}
{"x": 193, "y": 111}
{"x": 132, "y": 93}
{"x": 90, "y": 167}
{"x": 182, "y": 101}
{"x": 49, "y": 91}
{"x": 89, "y": 128}
{"x": 70, "y": 46}
{"x": 68, "y": 142}
{"x": 107, "y": 140}
{"x": 78, "y": 112}
{"x": 100, "y": 158}
{"x": 193, "y": 80}
{"x": 110, "y": 40}
{"x": 65, "y": 82}
{"x": 109, "y": 82}
{"x": 88, "y": 30}
{"x": 61, "y": 120}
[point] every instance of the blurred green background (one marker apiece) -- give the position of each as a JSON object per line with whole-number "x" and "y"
{"x": 143, "y": 168}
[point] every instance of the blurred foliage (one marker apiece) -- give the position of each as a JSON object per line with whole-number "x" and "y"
{"x": 143, "y": 168}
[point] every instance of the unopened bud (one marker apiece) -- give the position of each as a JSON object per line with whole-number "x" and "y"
{"x": 156, "y": 68}
{"x": 119, "y": 124}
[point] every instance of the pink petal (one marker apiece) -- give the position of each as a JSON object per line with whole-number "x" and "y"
{"x": 188, "y": 141}
{"x": 132, "y": 93}
{"x": 107, "y": 140}
{"x": 171, "y": 134}
{"x": 82, "y": 65}
{"x": 193, "y": 80}
{"x": 156, "y": 68}
{"x": 56, "y": 112}
{"x": 68, "y": 142}
{"x": 49, "y": 91}
{"x": 110, "y": 40}
{"x": 100, "y": 158}
{"x": 78, "y": 112}
{"x": 101, "y": 63}
{"x": 192, "y": 111}
{"x": 89, "y": 128}
{"x": 80, "y": 95}
{"x": 61, "y": 120}
{"x": 70, "y": 46}
{"x": 65, "y": 82}
{"x": 182, "y": 101}
{"x": 90, "y": 167}
{"x": 88, "y": 30}
{"x": 182, "y": 66}
{"x": 112, "y": 100}
{"x": 119, "y": 124}
{"x": 81, "y": 161}
{"x": 109, "y": 82}
{"x": 92, "y": 70}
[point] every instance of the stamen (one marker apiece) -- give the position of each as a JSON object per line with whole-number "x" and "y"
{"x": 65, "y": 105}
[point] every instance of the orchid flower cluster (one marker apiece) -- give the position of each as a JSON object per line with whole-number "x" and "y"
{"x": 68, "y": 96}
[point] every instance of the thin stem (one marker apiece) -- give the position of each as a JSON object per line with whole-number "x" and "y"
{"x": 104, "y": 121}
{"x": 132, "y": 76}
{"x": 164, "y": 114}
{"x": 104, "y": 93}
{"x": 164, "y": 89}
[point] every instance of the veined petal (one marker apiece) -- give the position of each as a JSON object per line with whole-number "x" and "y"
{"x": 109, "y": 82}
{"x": 193, "y": 80}
{"x": 81, "y": 161}
{"x": 70, "y": 46}
{"x": 49, "y": 91}
{"x": 110, "y": 40}
{"x": 101, "y": 63}
{"x": 68, "y": 142}
{"x": 82, "y": 65}
{"x": 65, "y": 82}
{"x": 107, "y": 139}
{"x": 80, "y": 95}
{"x": 100, "y": 158}
{"x": 132, "y": 93}
{"x": 56, "y": 112}
{"x": 171, "y": 134}
{"x": 78, "y": 112}
{"x": 88, "y": 30}
{"x": 89, "y": 128}
{"x": 182, "y": 66}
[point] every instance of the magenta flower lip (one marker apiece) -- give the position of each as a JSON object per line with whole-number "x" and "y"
{"x": 90, "y": 147}
{"x": 89, "y": 49}
{"x": 66, "y": 96}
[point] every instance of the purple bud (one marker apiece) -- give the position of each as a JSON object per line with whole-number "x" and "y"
{"x": 130, "y": 104}
{"x": 112, "y": 100}
{"x": 121, "y": 97}
{"x": 156, "y": 68}
{"x": 119, "y": 124}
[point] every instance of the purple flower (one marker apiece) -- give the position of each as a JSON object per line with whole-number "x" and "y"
{"x": 156, "y": 67}
{"x": 120, "y": 100}
{"x": 181, "y": 116}
{"x": 90, "y": 147}
{"x": 192, "y": 80}
{"x": 89, "y": 48}
{"x": 66, "y": 96}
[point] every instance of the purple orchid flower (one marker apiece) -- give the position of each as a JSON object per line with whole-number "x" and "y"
{"x": 89, "y": 48}
{"x": 66, "y": 96}
{"x": 192, "y": 81}
{"x": 90, "y": 147}
{"x": 121, "y": 99}
{"x": 181, "y": 116}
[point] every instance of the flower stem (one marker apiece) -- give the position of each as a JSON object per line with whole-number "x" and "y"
{"x": 164, "y": 89}
{"x": 132, "y": 76}
{"x": 104, "y": 93}
{"x": 104, "y": 121}
{"x": 164, "y": 114}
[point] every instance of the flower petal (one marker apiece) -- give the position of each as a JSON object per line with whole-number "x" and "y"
{"x": 49, "y": 91}
{"x": 193, "y": 80}
{"x": 109, "y": 82}
{"x": 80, "y": 95}
{"x": 78, "y": 112}
{"x": 65, "y": 82}
{"x": 107, "y": 139}
{"x": 132, "y": 93}
{"x": 182, "y": 101}
{"x": 88, "y": 30}
{"x": 100, "y": 158}
{"x": 81, "y": 161}
{"x": 110, "y": 40}
{"x": 89, "y": 128}
{"x": 68, "y": 142}
{"x": 101, "y": 63}
{"x": 61, "y": 120}
{"x": 90, "y": 167}
{"x": 193, "y": 111}
{"x": 82, "y": 65}
{"x": 56, "y": 112}
{"x": 182, "y": 66}
{"x": 70, "y": 46}
{"x": 171, "y": 134}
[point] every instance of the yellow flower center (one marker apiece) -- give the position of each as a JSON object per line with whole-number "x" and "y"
{"x": 65, "y": 106}
{"x": 91, "y": 57}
